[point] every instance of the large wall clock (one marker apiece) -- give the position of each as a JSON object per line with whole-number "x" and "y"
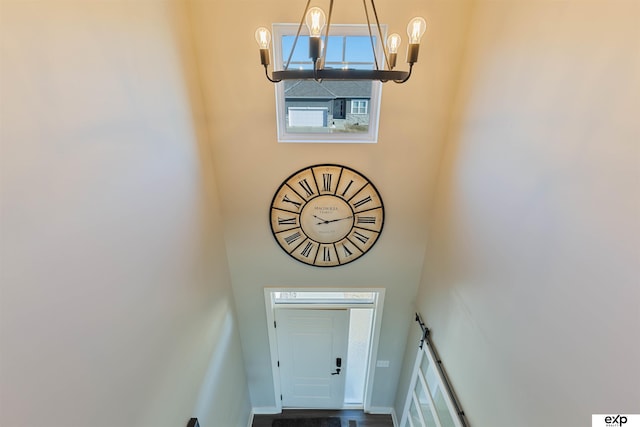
{"x": 326, "y": 215}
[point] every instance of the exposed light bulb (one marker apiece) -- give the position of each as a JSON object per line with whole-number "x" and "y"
{"x": 263, "y": 37}
{"x": 416, "y": 28}
{"x": 316, "y": 19}
{"x": 393, "y": 43}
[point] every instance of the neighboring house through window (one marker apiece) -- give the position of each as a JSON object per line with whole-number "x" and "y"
{"x": 327, "y": 111}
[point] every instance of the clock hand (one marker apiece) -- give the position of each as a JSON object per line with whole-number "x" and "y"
{"x": 324, "y": 221}
{"x": 333, "y": 220}
{"x": 340, "y": 219}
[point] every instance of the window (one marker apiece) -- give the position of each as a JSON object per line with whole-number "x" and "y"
{"x": 323, "y": 297}
{"x": 327, "y": 111}
{"x": 359, "y": 106}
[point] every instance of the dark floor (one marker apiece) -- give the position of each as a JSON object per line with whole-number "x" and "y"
{"x": 361, "y": 419}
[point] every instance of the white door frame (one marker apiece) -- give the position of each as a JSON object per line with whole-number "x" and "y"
{"x": 373, "y": 348}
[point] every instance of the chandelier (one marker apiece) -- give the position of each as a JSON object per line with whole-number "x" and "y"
{"x": 317, "y": 21}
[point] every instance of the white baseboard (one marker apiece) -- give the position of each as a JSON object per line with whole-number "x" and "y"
{"x": 394, "y": 418}
{"x": 265, "y": 410}
{"x": 380, "y": 410}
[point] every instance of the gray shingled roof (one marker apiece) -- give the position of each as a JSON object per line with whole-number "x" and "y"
{"x": 327, "y": 89}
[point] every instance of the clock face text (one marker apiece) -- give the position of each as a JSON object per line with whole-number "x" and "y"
{"x": 326, "y": 215}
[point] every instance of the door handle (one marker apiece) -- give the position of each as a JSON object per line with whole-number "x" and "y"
{"x": 338, "y": 364}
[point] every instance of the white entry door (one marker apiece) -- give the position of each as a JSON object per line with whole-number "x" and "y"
{"x": 311, "y": 345}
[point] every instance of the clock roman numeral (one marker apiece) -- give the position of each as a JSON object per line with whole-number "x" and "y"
{"x": 293, "y": 202}
{"x": 366, "y": 220}
{"x": 287, "y": 221}
{"x": 361, "y": 237}
{"x": 362, "y": 202}
{"x": 347, "y": 188}
{"x": 347, "y": 252}
{"x": 306, "y": 187}
{"x": 307, "y": 249}
{"x": 326, "y": 181}
{"x": 326, "y": 254}
{"x": 290, "y": 239}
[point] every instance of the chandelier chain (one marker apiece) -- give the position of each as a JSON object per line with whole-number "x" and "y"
{"x": 373, "y": 46}
{"x": 384, "y": 49}
{"x": 326, "y": 34}
{"x": 295, "y": 40}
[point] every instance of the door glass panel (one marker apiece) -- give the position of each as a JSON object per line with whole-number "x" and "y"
{"x": 429, "y": 372}
{"x": 305, "y": 297}
{"x": 435, "y": 389}
{"x": 429, "y": 398}
{"x": 442, "y": 409}
{"x": 425, "y": 404}
{"x": 413, "y": 415}
{"x": 357, "y": 354}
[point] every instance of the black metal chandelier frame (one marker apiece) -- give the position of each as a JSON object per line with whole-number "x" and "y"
{"x": 320, "y": 73}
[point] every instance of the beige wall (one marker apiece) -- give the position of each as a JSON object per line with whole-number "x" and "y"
{"x": 116, "y": 305}
{"x": 116, "y": 308}
{"x": 532, "y": 276}
{"x": 250, "y": 165}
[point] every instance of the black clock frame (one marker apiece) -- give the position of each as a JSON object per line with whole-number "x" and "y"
{"x": 311, "y": 168}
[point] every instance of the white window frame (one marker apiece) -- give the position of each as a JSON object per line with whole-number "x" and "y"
{"x": 284, "y": 136}
{"x": 362, "y": 104}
